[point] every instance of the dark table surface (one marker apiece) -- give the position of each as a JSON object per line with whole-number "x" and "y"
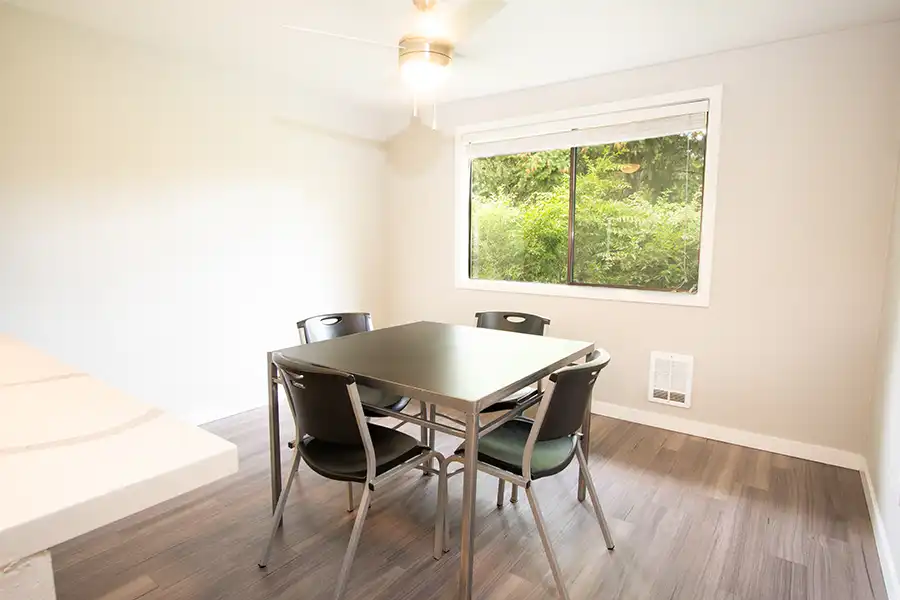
{"x": 459, "y": 367}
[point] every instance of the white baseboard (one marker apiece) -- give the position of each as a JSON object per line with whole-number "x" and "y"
{"x": 822, "y": 454}
{"x": 888, "y": 566}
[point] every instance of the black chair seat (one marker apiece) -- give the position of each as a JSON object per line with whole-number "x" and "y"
{"x": 380, "y": 399}
{"x": 511, "y": 401}
{"x": 503, "y": 448}
{"x": 343, "y": 462}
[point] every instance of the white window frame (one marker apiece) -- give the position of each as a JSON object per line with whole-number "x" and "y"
{"x": 603, "y": 114}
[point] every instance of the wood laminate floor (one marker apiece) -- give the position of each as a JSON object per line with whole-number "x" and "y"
{"x": 693, "y": 519}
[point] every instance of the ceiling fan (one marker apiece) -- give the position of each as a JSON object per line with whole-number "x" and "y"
{"x": 426, "y": 52}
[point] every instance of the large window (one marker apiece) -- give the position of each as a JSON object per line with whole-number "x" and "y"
{"x": 610, "y": 201}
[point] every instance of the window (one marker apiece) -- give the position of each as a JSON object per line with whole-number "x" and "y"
{"x": 614, "y": 204}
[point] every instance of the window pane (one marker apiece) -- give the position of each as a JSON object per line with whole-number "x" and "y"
{"x": 637, "y": 213}
{"x": 520, "y": 217}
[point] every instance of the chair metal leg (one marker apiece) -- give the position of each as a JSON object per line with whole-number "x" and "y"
{"x": 279, "y": 510}
{"x": 595, "y": 499}
{"x": 514, "y": 496}
{"x": 441, "y": 513}
{"x": 350, "y": 506}
{"x": 432, "y": 434}
{"x": 423, "y": 414}
{"x": 424, "y": 438}
{"x": 501, "y": 487}
{"x": 545, "y": 539}
{"x": 446, "y": 533}
{"x": 443, "y": 495}
{"x": 354, "y": 543}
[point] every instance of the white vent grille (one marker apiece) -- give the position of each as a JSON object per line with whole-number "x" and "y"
{"x": 671, "y": 378}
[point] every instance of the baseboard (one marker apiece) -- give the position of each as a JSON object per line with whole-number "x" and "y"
{"x": 822, "y": 454}
{"x": 888, "y": 566}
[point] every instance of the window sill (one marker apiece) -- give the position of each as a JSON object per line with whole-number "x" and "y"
{"x": 699, "y": 299}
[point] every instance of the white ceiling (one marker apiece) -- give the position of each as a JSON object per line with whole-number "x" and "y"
{"x": 531, "y": 42}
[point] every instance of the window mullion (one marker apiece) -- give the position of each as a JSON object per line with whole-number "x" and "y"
{"x": 570, "y": 264}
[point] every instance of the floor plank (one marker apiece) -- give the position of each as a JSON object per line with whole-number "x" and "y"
{"x": 694, "y": 519}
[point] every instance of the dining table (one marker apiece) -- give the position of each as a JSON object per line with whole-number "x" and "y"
{"x": 457, "y": 368}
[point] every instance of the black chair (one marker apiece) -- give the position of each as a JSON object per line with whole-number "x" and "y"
{"x": 522, "y": 451}
{"x": 512, "y": 321}
{"x": 515, "y": 322}
{"x": 337, "y": 442}
{"x": 335, "y": 325}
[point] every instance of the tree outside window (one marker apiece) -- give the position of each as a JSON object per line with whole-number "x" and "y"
{"x": 623, "y": 214}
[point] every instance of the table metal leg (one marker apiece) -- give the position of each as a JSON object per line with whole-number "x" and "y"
{"x": 586, "y": 447}
{"x": 470, "y": 480}
{"x": 274, "y": 431}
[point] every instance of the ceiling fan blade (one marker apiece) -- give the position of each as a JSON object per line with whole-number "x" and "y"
{"x": 340, "y": 36}
{"x": 473, "y": 14}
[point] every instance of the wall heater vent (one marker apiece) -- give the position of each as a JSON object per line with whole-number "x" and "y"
{"x": 671, "y": 378}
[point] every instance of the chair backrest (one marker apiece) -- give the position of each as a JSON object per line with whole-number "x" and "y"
{"x": 322, "y": 401}
{"x": 333, "y": 325}
{"x": 511, "y": 321}
{"x": 567, "y": 405}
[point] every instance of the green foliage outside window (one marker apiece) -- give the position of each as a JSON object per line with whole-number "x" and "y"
{"x": 636, "y": 218}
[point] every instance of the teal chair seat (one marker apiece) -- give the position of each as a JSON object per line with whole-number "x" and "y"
{"x": 504, "y": 447}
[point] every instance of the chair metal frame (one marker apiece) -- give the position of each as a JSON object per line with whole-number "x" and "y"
{"x": 525, "y": 480}
{"x": 373, "y": 481}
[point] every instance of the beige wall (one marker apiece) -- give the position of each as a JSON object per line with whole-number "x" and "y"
{"x": 162, "y": 226}
{"x": 884, "y": 451}
{"x": 787, "y": 347}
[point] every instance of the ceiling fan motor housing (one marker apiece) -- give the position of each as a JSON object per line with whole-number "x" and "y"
{"x": 425, "y": 5}
{"x": 415, "y": 48}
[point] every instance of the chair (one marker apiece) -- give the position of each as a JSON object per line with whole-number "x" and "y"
{"x": 335, "y": 325}
{"x": 337, "y": 442}
{"x": 517, "y": 323}
{"x": 522, "y": 451}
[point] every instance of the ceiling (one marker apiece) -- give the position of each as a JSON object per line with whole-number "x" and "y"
{"x": 531, "y": 42}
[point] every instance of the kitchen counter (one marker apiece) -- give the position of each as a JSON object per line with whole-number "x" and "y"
{"x": 75, "y": 455}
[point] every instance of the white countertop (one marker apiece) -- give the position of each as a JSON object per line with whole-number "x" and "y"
{"x": 76, "y": 454}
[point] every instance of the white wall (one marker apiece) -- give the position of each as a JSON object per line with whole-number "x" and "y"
{"x": 806, "y": 177}
{"x": 884, "y": 452}
{"x": 162, "y": 227}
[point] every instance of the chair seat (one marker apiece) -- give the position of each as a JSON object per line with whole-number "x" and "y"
{"x": 380, "y": 399}
{"x": 503, "y": 448}
{"x": 511, "y": 401}
{"x": 344, "y": 462}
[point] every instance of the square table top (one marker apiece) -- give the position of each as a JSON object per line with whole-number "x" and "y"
{"x": 455, "y": 366}
{"x": 76, "y": 454}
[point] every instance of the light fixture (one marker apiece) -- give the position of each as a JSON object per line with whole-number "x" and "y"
{"x": 629, "y": 168}
{"x": 424, "y": 63}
